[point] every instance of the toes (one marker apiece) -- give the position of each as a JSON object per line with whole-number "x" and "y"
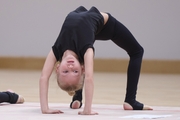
{"x": 147, "y": 108}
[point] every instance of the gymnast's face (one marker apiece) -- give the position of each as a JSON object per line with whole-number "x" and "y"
{"x": 69, "y": 70}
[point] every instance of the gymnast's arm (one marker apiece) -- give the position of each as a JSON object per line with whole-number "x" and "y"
{"x": 88, "y": 82}
{"x": 44, "y": 83}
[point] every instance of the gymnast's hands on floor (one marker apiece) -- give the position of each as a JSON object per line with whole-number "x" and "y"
{"x": 51, "y": 111}
{"x": 87, "y": 113}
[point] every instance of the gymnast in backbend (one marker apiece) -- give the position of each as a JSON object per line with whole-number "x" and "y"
{"x": 74, "y": 51}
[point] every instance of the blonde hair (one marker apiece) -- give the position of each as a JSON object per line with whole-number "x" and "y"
{"x": 70, "y": 89}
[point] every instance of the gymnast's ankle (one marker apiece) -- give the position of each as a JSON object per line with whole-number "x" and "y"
{"x": 137, "y": 106}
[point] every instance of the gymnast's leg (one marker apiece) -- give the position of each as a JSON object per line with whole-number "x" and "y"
{"x": 124, "y": 39}
{"x": 76, "y": 100}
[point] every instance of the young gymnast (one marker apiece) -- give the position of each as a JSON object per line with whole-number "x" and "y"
{"x": 11, "y": 97}
{"x": 74, "y": 51}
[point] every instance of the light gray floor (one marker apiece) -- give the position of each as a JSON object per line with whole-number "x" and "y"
{"x": 161, "y": 91}
{"x": 31, "y": 111}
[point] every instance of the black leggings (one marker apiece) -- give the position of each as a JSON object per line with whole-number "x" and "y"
{"x": 122, "y": 37}
{"x": 8, "y": 97}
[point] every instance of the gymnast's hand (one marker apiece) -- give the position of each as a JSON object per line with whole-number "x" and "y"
{"x": 87, "y": 113}
{"x": 51, "y": 111}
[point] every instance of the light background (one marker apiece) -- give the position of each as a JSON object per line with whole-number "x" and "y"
{"x": 28, "y": 28}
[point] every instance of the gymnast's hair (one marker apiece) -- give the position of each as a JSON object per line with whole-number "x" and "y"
{"x": 70, "y": 89}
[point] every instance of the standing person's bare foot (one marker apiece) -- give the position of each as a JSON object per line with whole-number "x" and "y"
{"x": 127, "y": 106}
{"x": 20, "y": 99}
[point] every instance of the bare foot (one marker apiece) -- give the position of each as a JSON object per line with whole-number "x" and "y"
{"x": 76, "y": 104}
{"x": 127, "y": 106}
{"x": 20, "y": 100}
{"x": 147, "y": 108}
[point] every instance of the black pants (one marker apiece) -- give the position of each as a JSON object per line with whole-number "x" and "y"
{"x": 121, "y": 36}
{"x": 8, "y": 97}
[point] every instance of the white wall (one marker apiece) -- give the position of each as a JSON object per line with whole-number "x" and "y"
{"x": 29, "y": 28}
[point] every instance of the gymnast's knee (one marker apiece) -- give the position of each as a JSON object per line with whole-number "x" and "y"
{"x": 141, "y": 51}
{"x": 137, "y": 53}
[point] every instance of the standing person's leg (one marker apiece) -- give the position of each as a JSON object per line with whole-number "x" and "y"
{"x": 10, "y": 97}
{"x": 4, "y": 97}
